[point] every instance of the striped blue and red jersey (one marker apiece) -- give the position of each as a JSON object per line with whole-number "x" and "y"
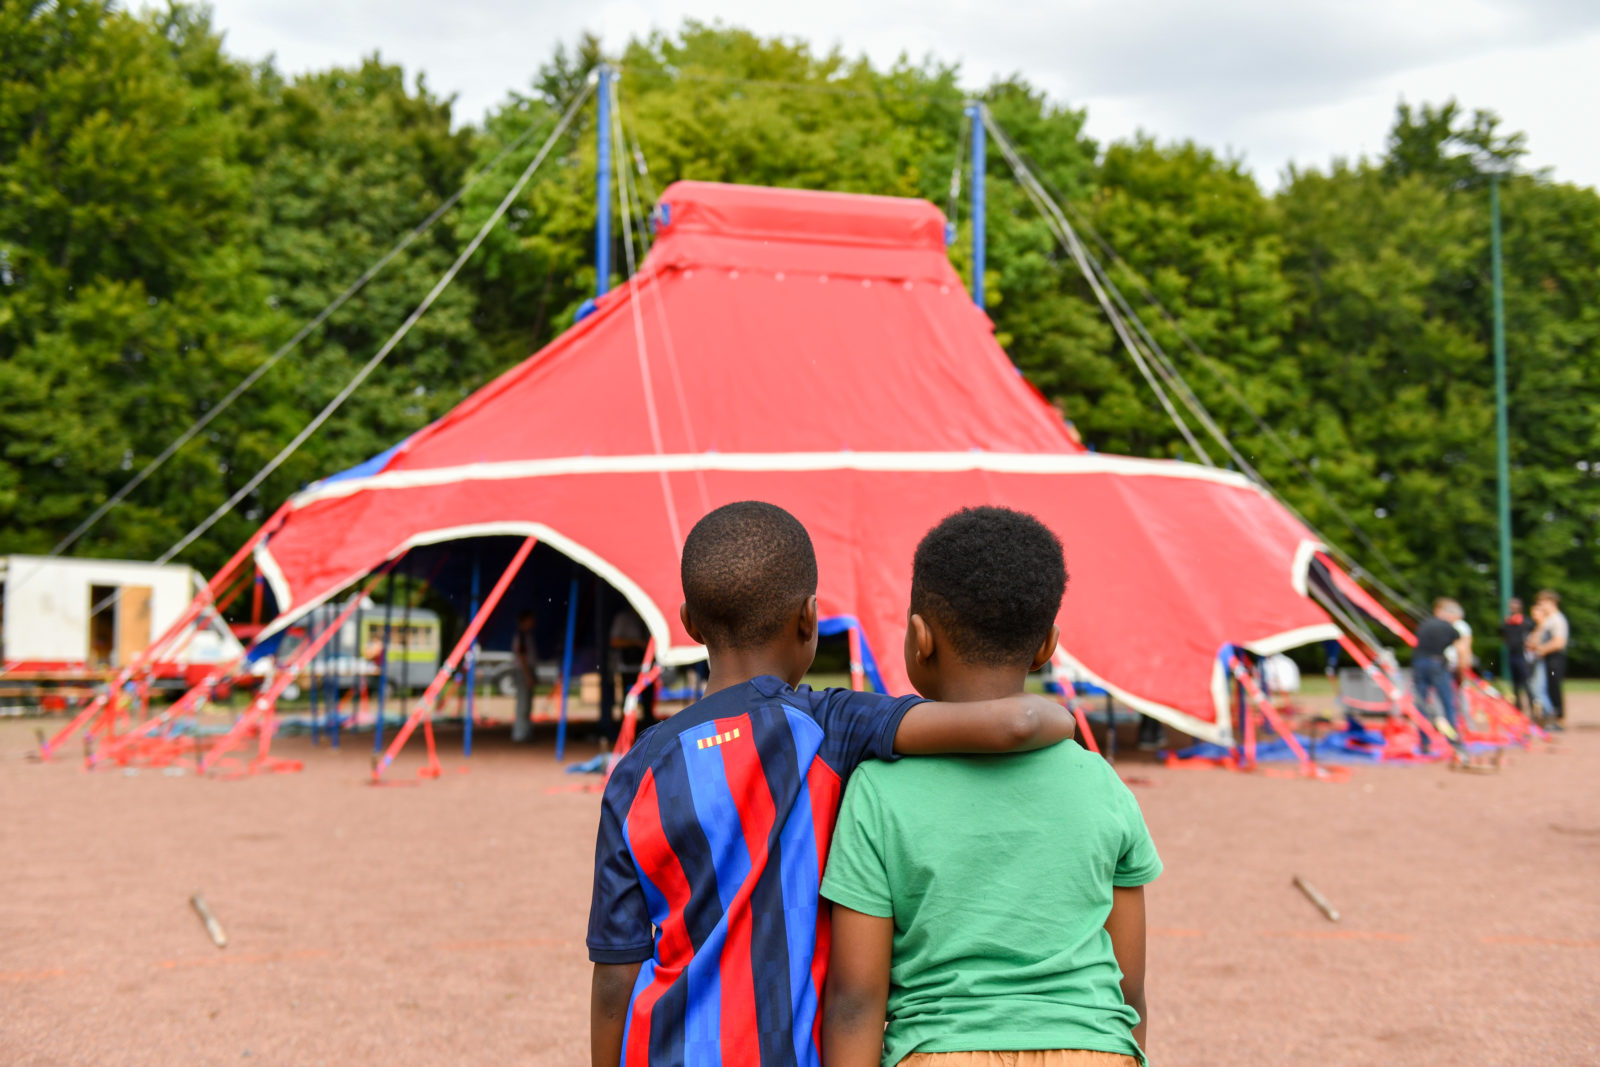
{"x": 714, "y": 831}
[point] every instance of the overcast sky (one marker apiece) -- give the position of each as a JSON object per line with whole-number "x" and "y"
{"x": 1276, "y": 81}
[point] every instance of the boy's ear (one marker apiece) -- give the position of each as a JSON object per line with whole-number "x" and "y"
{"x": 808, "y": 620}
{"x": 921, "y": 637}
{"x": 1046, "y": 650}
{"x": 688, "y": 624}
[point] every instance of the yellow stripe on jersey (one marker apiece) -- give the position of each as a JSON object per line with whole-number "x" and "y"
{"x": 719, "y": 739}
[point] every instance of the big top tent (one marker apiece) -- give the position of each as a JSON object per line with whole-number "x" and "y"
{"x": 817, "y": 350}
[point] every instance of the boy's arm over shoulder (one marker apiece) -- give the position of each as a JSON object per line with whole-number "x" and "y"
{"x": 1018, "y": 723}
{"x": 865, "y": 726}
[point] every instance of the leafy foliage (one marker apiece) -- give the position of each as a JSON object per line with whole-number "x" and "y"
{"x": 169, "y": 216}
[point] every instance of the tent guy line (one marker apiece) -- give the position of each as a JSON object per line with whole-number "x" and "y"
{"x": 377, "y": 359}
{"x": 1096, "y": 274}
{"x": 388, "y": 346}
{"x": 651, "y": 412}
{"x": 1411, "y": 599}
{"x": 633, "y": 209}
{"x": 305, "y": 330}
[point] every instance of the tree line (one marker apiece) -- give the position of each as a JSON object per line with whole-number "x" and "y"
{"x": 170, "y": 214}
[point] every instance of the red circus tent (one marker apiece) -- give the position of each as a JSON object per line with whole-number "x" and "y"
{"x": 818, "y": 351}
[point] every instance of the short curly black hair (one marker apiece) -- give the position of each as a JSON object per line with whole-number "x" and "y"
{"x": 992, "y": 579}
{"x": 747, "y": 567}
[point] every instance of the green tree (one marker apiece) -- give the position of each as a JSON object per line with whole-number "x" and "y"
{"x": 717, "y": 104}
{"x": 128, "y": 285}
{"x": 352, "y": 160}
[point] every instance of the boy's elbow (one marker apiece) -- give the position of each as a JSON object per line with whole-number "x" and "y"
{"x": 1026, "y": 725}
{"x": 1037, "y": 722}
{"x": 612, "y": 989}
{"x": 846, "y": 1008}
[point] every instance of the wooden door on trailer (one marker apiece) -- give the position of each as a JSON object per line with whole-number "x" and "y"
{"x": 133, "y": 623}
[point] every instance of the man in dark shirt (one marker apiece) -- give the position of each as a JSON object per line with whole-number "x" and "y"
{"x": 1514, "y": 632}
{"x": 1429, "y": 668}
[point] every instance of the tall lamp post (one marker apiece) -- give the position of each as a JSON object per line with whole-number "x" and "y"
{"x": 1503, "y": 461}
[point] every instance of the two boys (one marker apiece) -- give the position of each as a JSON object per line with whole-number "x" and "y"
{"x": 709, "y": 939}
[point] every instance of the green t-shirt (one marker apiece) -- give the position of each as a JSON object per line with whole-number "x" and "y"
{"x": 997, "y": 871}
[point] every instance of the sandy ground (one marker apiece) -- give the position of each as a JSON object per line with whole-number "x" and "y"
{"x": 443, "y": 921}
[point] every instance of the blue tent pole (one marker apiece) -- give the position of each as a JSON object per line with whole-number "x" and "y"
{"x": 383, "y": 661}
{"x": 336, "y": 649}
{"x": 314, "y": 679}
{"x": 566, "y": 667}
{"x": 602, "y": 186}
{"x": 975, "y": 113}
{"x": 472, "y": 668}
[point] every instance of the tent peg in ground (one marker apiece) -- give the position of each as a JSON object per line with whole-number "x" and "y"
{"x": 213, "y": 927}
{"x": 1316, "y": 898}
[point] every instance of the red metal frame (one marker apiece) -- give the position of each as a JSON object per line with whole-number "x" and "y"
{"x": 263, "y": 711}
{"x": 111, "y": 699}
{"x": 648, "y": 673}
{"x": 1084, "y": 732}
{"x": 1398, "y": 697}
{"x": 1268, "y": 711}
{"x": 858, "y": 673}
{"x": 423, "y": 712}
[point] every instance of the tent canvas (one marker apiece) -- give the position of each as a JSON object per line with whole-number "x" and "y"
{"x": 817, "y": 350}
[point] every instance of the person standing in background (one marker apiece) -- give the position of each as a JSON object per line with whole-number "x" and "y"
{"x": 1437, "y": 638}
{"x": 525, "y": 655}
{"x": 629, "y": 639}
{"x": 1550, "y": 644}
{"x": 1514, "y": 630}
{"x": 1538, "y": 690}
{"x": 1459, "y": 656}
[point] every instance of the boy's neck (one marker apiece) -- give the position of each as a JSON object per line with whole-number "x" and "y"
{"x": 731, "y": 667}
{"x": 965, "y": 683}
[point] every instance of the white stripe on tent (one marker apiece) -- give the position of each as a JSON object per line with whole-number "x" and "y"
{"x": 891, "y": 462}
{"x": 1220, "y": 732}
{"x": 1305, "y": 635}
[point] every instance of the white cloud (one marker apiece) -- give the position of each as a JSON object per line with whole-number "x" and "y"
{"x": 1274, "y": 82}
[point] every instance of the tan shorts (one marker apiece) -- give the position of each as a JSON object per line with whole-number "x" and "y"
{"x": 1054, "y": 1057}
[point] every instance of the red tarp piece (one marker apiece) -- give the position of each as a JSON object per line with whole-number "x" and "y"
{"x": 818, "y": 351}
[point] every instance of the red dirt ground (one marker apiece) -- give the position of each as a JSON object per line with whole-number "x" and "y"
{"x": 443, "y": 921}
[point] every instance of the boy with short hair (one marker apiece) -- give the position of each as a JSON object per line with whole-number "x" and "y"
{"x": 706, "y": 931}
{"x": 991, "y": 909}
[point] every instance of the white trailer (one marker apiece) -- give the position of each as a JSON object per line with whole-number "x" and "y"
{"x": 64, "y": 619}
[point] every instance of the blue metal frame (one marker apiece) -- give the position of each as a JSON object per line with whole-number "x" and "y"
{"x": 566, "y": 667}
{"x": 383, "y": 661}
{"x": 975, "y": 113}
{"x": 838, "y": 624}
{"x": 472, "y": 669}
{"x": 602, "y": 186}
